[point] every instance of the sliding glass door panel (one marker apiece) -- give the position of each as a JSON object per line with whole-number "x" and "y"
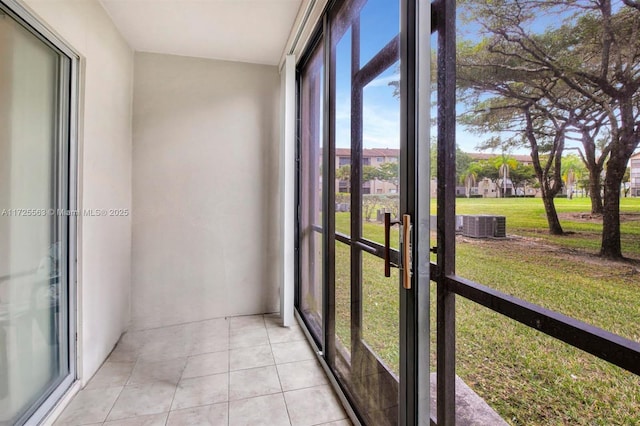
{"x": 310, "y": 226}
{"x": 366, "y": 137}
{"x": 371, "y": 303}
{"x": 34, "y": 291}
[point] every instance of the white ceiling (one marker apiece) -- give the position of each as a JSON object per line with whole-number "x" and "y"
{"x": 235, "y": 30}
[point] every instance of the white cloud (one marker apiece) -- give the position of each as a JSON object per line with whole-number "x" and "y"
{"x": 381, "y": 126}
{"x": 384, "y": 81}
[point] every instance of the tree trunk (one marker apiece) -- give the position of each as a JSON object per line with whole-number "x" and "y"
{"x": 611, "y": 247}
{"x": 622, "y": 147}
{"x": 552, "y": 215}
{"x": 549, "y": 185}
{"x": 594, "y": 191}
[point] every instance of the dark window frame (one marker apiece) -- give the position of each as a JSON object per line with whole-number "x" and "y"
{"x": 409, "y": 300}
{"x": 316, "y": 332}
{"x": 602, "y": 344}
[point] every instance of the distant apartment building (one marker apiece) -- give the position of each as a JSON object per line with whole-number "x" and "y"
{"x": 634, "y": 165}
{"x": 370, "y": 157}
{"x": 377, "y": 157}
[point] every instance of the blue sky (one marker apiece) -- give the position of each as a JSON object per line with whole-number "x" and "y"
{"x": 380, "y": 22}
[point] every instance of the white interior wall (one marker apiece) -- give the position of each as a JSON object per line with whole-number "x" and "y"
{"x": 104, "y": 243}
{"x": 287, "y": 184}
{"x": 205, "y": 189}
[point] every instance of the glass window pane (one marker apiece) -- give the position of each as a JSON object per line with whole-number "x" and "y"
{"x": 381, "y": 146}
{"x": 379, "y": 24}
{"x": 311, "y": 166}
{"x": 342, "y": 120}
{"x": 530, "y": 208}
{"x": 527, "y": 202}
{"x": 381, "y": 311}
{"x": 343, "y": 301}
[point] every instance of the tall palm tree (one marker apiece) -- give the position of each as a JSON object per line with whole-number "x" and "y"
{"x": 469, "y": 177}
{"x": 573, "y": 169}
{"x": 504, "y": 163}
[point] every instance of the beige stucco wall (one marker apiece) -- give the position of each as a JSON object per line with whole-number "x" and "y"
{"x": 205, "y": 189}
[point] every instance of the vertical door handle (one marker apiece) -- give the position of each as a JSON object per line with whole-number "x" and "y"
{"x": 388, "y": 223}
{"x": 406, "y": 251}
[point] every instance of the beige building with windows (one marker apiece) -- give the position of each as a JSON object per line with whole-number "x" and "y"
{"x": 370, "y": 157}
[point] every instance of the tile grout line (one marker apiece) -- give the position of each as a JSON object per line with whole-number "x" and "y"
{"x": 130, "y": 418}
{"x": 293, "y": 362}
{"x": 135, "y": 363}
{"x": 175, "y": 390}
{"x": 257, "y": 396}
{"x": 117, "y": 398}
{"x": 180, "y": 324}
{"x": 286, "y": 406}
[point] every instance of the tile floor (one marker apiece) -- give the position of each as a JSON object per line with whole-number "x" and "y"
{"x": 236, "y": 371}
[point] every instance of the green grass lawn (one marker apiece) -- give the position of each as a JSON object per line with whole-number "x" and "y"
{"x": 526, "y": 217}
{"x": 529, "y": 378}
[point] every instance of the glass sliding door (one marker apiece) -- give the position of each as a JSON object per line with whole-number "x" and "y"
{"x": 310, "y": 226}
{"x": 366, "y": 127}
{"x": 374, "y": 322}
{"x": 35, "y": 93}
